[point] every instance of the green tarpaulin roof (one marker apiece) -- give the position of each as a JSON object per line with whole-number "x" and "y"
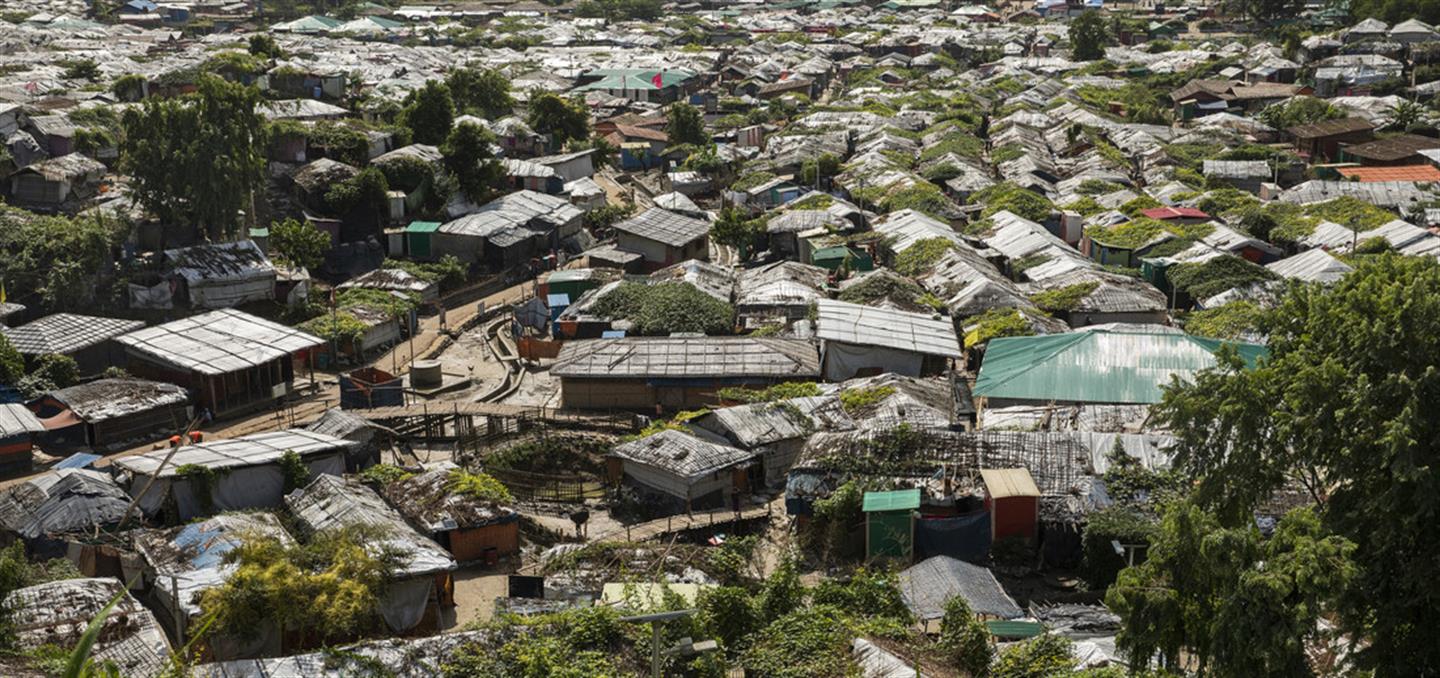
{"x": 423, "y": 227}
{"x": 1014, "y": 629}
{"x": 1105, "y": 364}
{"x": 634, "y": 78}
{"x": 895, "y": 500}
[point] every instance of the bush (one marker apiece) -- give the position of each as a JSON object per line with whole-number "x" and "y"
{"x": 728, "y": 613}
{"x": 920, "y": 256}
{"x": 1202, "y": 280}
{"x": 1128, "y": 526}
{"x": 1063, "y": 299}
{"x": 1230, "y": 321}
{"x": 964, "y": 638}
{"x": 802, "y": 644}
{"x": 996, "y": 323}
{"x": 1046, "y": 655}
{"x": 667, "y": 308}
{"x": 867, "y": 593}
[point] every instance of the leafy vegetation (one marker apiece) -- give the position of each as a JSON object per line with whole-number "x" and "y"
{"x": 1230, "y": 321}
{"x": 996, "y": 323}
{"x": 667, "y": 308}
{"x": 1202, "y": 280}
{"x": 298, "y": 243}
{"x": 1063, "y": 299}
{"x": 856, "y": 400}
{"x": 782, "y": 391}
{"x": 478, "y": 486}
{"x": 921, "y": 256}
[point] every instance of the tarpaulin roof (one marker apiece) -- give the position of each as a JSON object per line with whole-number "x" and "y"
{"x": 1105, "y": 364}
{"x": 894, "y": 500}
{"x": 218, "y": 342}
{"x": 929, "y": 584}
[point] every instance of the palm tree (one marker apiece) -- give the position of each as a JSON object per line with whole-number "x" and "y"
{"x": 1404, "y": 115}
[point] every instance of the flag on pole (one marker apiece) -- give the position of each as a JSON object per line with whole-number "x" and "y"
{"x": 659, "y": 80}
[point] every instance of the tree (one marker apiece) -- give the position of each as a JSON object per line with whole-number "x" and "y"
{"x": 429, "y": 113}
{"x": 964, "y": 638}
{"x": 1231, "y": 601}
{"x": 735, "y": 228}
{"x": 1039, "y": 657}
{"x": 1404, "y": 115}
{"x": 1269, "y": 10}
{"x": 685, "y": 126}
{"x": 468, "y": 157}
{"x": 264, "y": 45}
{"x": 1339, "y": 409}
{"x": 81, "y": 69}
{"x": 12, "y": 364}
{"x": 783, "y": 593}
{"x": 482, "y": 91}
{"x": 560, "y": 119}
{"x": 1088, "y": 37}
{"x": 299, "y": 243}
{"x": 197, "y": 160}
{"x": 366, "y": 192}
{"x": 819, "y": 170}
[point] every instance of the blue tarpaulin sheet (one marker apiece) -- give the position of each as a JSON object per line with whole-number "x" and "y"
{"x": 964, "y": 537}
{"x": 78, "y": 460}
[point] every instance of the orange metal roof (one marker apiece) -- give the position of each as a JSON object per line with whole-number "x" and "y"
{"x": 1398, "y": 173}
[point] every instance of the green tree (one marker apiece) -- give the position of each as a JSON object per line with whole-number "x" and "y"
{"x": 557, "y": 117}
{"x": 299, "y": 243}
{"x": 129, "y": 87}
{"x": 1299, "y": 111}
{"x": 429, "y": 113}
{"x": 1404, "y": 115}
{"x": 964, "y": 638}
{"x": 735, "y": 228}
{"x": 81, "y": 69}
{"x": 1088, "y": 37}
{"x": 365, "y": 194}
{"x": 819, "y": 170}
{"x": 1039, "y": 657}
{"x": 1229, "y": 600}
{"x": 783, "y": 593}
{"x": 485, "y": 92}
{"x": 197, "y": 160}
{"x": 468, "y": 157}
{"x": 12, "y": 364}
{"x": 729, "y": 615}
{"x": 1339, "y": 408}
{"x": 264, "y": 45}
{"x": 685, "y": 125}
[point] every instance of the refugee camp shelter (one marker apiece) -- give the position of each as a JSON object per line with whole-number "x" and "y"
{"x": 470, "y": 528}
{"x": 181, "y": 563}
{"x": 57, "y": 613}
{"x": 775, "y": 430}
{"x": 420, "y": 584}
{"x": 239, "y": 473}
{"x": 927, "y": 585}
{"x": 87, "y": 339}
{"x": 1113, "y": 364}
{"x": 865, "y": 340}
{"x": 221, "y": 275}
{"x": 18, "y": 429}
{"x": 1013, "y": 501}
{"x": 663, "y": 237}
{"x": 395, "y": 280}
{"x": 232, "y": 362}
{"x": 58, "y": 507}
{"x": 639, "y": 373}
{"x": 108, "y": 412}
{"x": 689, "y": 472}
{"x": 890, "y": 523}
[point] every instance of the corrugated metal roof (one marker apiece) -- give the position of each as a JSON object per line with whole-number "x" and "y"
{"x": 663, "y": 226}
{"x": 688, "y": 357}
{"x": 907, "y": 227}
{"x": 218, "y": 342}
{"x": 929, "y": 584}
{"x": 332, "y": 503}
{"x": 1109, "y": 364}
{"x": 16, "y": 419}
{"x": 66, "y": 333}
{"x": 681, "y": 454}
{"x": 1315, "y": 265}
{"x": 251, "y": 450}
{"x": 1001, "y": 483}
{"x": 870, "y": 326}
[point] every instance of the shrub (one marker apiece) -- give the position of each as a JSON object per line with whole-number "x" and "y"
{"x": 1046, "y": 655}
{"x": 1230, "y": 321}
{"x": 802, "y": 644}
{"x": 1100, "y": 562}
{"x": 667, "y": 308}
{"x": 1063, "y": 299}
{"x": 964, "y": 638}
{"x": 920, "y": 256}
{"x": 996, "y": 323}
{"x": 1202, "y": 280}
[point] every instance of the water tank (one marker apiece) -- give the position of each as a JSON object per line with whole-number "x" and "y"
{"x": 425, "y": 374}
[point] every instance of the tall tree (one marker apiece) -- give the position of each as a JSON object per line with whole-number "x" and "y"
{"x": 299, "y": 243}
{"x": 562, "y": 120}
{"x": 1344, "y": 407}
{"x": 429, "y": 113}
{"x": 1226, "y": 600}
{"x": 685, "y": 126}
{"x": 469, "y": 159}
{"x": 482, "y": 91}
{"x": 1088, "y": 36}
{"x": 197, "y": 160}
{"x": 735, "y": 228}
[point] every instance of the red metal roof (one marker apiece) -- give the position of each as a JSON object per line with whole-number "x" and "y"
{"x": 1175, "y": 213}
{"x": 1397, "y": 173}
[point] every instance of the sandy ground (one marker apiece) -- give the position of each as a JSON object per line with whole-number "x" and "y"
{"x": 475, "y": 592}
